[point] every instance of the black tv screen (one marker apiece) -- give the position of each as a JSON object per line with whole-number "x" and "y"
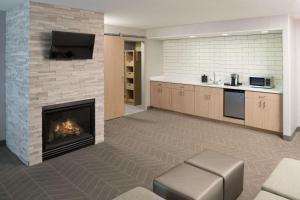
{"x": 68, "y": 46}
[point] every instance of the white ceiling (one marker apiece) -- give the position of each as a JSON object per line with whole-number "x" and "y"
{"x": 159, "y": 13}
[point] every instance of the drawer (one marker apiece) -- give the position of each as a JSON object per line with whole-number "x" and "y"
{"x": 183, "y": 87}
{"x": 201, "y": 89}
{"x": 209, "y": 90}
{"x": 260, "y": 95}
{"x": 217, "y": 91}
{"x": 161, "y": 84}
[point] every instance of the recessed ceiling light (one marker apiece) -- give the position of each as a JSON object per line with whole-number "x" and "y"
{"x": 192, "y": 36}
{"x": 225, "y": 34}
{"x": 264, "y": 32}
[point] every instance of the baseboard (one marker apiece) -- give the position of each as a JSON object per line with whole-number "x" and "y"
{"x": 2, "y": 143}
{"x": 290, "y": 138}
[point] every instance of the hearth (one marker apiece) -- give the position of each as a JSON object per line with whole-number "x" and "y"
{"x": 67, "y": 127}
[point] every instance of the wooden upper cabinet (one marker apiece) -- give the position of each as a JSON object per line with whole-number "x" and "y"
{"x": 113, "y": 77}
{"x": 209, "y": 102}
{"x": 264, "y": 110}
{"x": 160, "y": 95}
{"x": 183, "y": 98}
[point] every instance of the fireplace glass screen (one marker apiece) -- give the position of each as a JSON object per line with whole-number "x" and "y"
{"x": 68, "y": 126}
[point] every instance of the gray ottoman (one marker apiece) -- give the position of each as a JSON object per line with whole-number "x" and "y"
{"x": 186, "y": 182}
{"x": 138, "y": 193}
{"x": 230, "y": 169}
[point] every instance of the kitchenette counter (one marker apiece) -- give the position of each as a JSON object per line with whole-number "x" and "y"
{"x": 197, "y": 82}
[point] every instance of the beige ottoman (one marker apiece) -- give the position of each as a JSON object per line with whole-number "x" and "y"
{"x": 285, "y": 179}
{"x": 263, "y": 195}
{"x": 186, "y": 182}
{"x": 138, "y": 193}
{"x": 230, "y": 169}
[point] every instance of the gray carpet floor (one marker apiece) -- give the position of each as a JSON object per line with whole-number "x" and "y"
{"x": 138, "y": 148}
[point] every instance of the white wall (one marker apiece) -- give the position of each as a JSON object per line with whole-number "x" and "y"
{"x": 257, "y": 54}
{"x": 111, "y": 29}
{"x": 153, "y": 63}
{"x": 294, "y": 77}
{"x": 290, "y": 103}
{"x": 297, "y": 74}
{"x": 2, "y": 75}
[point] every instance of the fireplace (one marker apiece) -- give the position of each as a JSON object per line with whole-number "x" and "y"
{"x": 67, "y": 127}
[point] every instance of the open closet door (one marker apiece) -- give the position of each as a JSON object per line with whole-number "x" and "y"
{"x": 113, "y": 77}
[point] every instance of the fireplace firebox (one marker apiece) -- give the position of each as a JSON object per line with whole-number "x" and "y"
{"x": 68, "y": 127}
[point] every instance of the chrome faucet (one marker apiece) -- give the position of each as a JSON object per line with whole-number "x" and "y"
{"x": 214, "y": 80}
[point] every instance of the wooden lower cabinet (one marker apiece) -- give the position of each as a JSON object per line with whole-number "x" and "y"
{"x": 202, "y": 101}
{"x": 155, "y": 94}
{"x": 160, "y": 95}
{"x": 263, "y": 110}
{"x": 209, "y": 102}
{"x": 165, "y": 100}
{"x": 177, "y": 100}
{"x": 183, "y": 99}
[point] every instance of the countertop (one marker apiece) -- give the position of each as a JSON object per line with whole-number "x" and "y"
{"x": 197, "y": 82}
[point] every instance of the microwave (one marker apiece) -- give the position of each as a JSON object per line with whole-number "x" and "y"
{"x": 261, "y": 82}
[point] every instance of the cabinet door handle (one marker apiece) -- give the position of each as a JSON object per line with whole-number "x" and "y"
{"x": 259, "y": 104}
{"x": 182, "y": 93}
{"x": 264, "y": 104}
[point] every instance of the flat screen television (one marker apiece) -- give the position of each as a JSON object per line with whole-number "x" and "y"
{"x": 69, "y": 46}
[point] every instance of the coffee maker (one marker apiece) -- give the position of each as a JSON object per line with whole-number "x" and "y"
{"x": 234, "y": 80}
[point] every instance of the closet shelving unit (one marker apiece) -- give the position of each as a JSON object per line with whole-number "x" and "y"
{"x": 132, "y": 76}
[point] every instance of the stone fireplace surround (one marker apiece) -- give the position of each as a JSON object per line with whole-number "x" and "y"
{"x": 33, "y": 81}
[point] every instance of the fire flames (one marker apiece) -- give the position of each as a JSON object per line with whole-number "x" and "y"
{"x": 67, "y": 128}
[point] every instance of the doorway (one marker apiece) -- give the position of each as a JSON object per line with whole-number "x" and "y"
{"x": 123, "y": 77}
{"x": 133, "y": 61}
